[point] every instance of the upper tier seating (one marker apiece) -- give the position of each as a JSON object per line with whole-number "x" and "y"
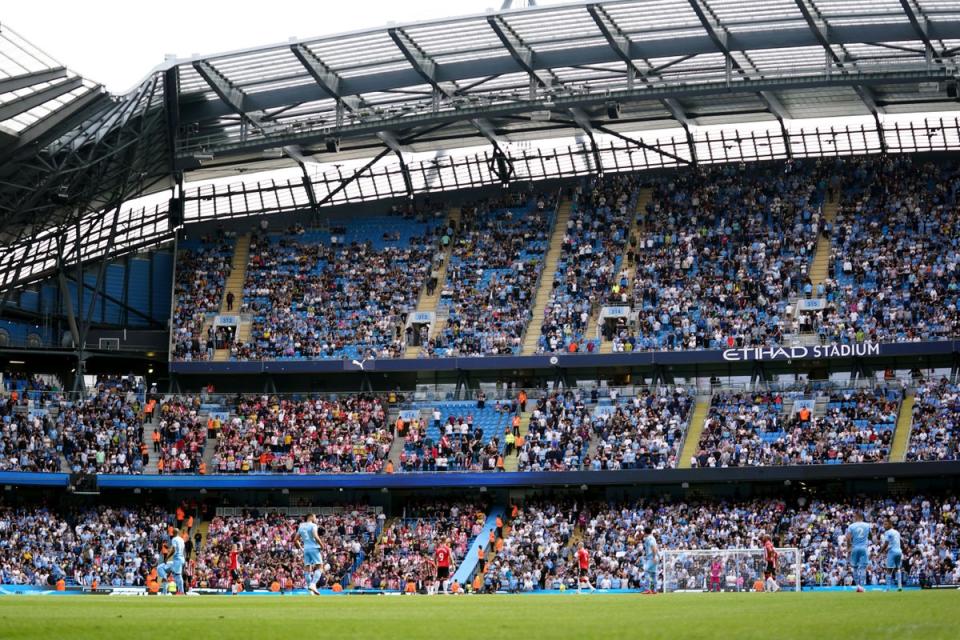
{"x": 494, "y": 268}
{"x": 202, "y": 270}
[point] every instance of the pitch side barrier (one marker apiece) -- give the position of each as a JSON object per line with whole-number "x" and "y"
{"x": 520, "y": 479}
{"x": 751, "y": 355}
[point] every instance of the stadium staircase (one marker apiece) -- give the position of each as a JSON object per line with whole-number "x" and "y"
{"x": 820, "y": 269}
{"x": 468, "y": 566}
{"x": 234, "y": 283}
{"x": 534, "y": 330}
{"x": 396, "y": 447}
{"x": 820, "y": 405}
{"x": 431, "y": 302}
{"x": 208, "y": 450}
{"x": 389, "y": 522}
{"x": 691, "y": 441}
{"x": 593, "y": 447}
{"x": 901, "y": 437}
{"x": 643, "y": 199}
{"x": 148, "y": 429}
{"x": 203, "y": 527}
{"x": 511, "y": 462}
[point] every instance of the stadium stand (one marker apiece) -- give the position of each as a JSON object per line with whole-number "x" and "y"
{"x": 493, "y": 271}
{"x": 202, "y": 269}
{"x": 457, "y": 436}
{"x": 406, "y": 547}
{"x": 935, "y": 433}
{"x": 309, "y": 292}
{"x": 538, "y": 551}
{"x": 722, "y": 253}
{"x": 103, "y": 433}
{"x": 266, "y": 433}
{"x": 589, "y": 269}
{"x": 645, "y": 432}
{"x": 101, "y": 545}
{"x": 263, "y": 543}
{"x": 183, "y": 435}
{"x": 893, "y": 260}
{"x": 760, "y": 429}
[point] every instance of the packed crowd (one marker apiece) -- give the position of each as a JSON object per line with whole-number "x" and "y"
{"x": 182, "y": 435}
{"x": 114, "y": 546}
{"x": 722, "y": 255}
{"x": 935, "y": 432}
{"x": 494, "y": 267}
{"x": 764, "y": 429}
{"x": 266, "y": 433}
{"x": 406, "y": 550}
{"x": 28, "y": 442}
{"x": 894, "y": 263}
{"x": 313, "y": 299}
{"x": 202, "y": 271}
{"x": 929, "y": 527}
{"x": 538, "y": 551}
{"x": 263, "y": 544}
{"x": 721, "y": 252}
{"x": 589, "y": 268}
{"x": 105, "y": 546}
{"x": 558, "y": 436}
{"x": 643, "y": 432}
{"x": 103, "y": 432}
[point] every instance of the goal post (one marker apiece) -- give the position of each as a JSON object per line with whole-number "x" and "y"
{"x": 691, "y": 569}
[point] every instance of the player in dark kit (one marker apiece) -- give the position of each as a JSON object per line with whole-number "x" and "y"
{"x": 770, "y": 570}
{"x": 583, "y": 562}
{"x": 442, "y": 557}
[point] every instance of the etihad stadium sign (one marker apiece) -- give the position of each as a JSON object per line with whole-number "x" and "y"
{"x": 765, "y": 354}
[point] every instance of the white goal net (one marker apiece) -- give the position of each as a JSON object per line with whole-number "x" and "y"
{"x": 727, "y": 569}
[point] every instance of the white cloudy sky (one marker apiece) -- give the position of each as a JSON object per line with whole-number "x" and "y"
{"x": 116, "y": 43}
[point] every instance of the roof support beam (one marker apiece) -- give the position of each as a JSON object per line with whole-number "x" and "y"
{"x": 518, "y": 50}
{"x": 324, "y": 76}
{"x": 37, "y": 98}
{"x": 14, "y": 83}
{"x": 919, "y": 22}
{"x": 229, "y": 93}
{"x": 620, "y": 44}
{"x": 393, "y": 144}
{"x": 171, "y": 103}
{"x": 420, "y": 61}
{"x": 583, "y": 121}
{"x": 39, "y": 129}
{"x": 427, "y": 68}
{"x": 819, "y": 29}
{"x": 718, "y": 34}
{"x": 644, "y": 145}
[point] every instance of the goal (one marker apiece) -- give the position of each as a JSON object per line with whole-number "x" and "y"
{"x": 740, "y": 568}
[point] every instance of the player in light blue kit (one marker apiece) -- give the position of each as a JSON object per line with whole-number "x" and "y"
{"x": 858, "y": 541}
{"x": 174, "y": 564}
{"x": 651, "y": 556}
{"x": 892, "y": 545}
{"x": 308, "y": 539}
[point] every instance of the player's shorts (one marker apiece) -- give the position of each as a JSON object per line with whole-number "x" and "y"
{"x": 650, "y": 567}
{"x": 443, "y": 573}
{"x": 584, "y": 572}
{"x": 859, "y": 557}
{"x": 311, "y": 557}
{"x": 770, "y": 569}
{"x": 894, "y": 559}
{"x": 173, "y": 567}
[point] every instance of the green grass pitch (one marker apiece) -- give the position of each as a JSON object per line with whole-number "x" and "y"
{"x": 780, "y": 616}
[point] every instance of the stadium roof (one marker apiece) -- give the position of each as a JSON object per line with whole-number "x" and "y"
{"x": 595, "y": 69}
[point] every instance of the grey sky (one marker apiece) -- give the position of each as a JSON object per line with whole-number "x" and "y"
{"x": 116, "y": 43}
